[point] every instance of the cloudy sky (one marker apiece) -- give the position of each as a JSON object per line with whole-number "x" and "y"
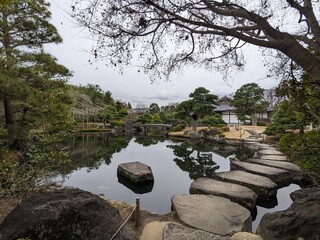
{"x": 135, "y": 87}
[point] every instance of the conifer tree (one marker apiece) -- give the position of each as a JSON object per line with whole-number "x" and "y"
{"x": 31, "y": 80}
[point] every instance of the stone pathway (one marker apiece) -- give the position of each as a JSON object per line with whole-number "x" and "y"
{"x": 219, "y": 207}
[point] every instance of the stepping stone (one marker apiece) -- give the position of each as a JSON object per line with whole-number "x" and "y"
{"x": 174, "y": 231}
{"x": 249, "y": 140}
{"x": 137, "y": 172}
{"x": 235, "y": 192}
{"x": 262, "y": 186}
{"x": 212, "y": 214}
{"x": 271, "y": 152}
{"x": 277, "y": 164}
{"x": 277, "y": 175}
{"x": 274, "y": 157}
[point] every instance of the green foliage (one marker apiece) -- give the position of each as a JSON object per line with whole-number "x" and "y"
{"x": 156, "y": 119}
{"x": 144, "y": 118}
{"x": 97, "y": 95}
{"x": 21, "y": 174}
{"x": 303, "y": 97}
{"x": 248, "y": 100}
{"x": 36, "y": 99}
{"x": 202, "y": 103}
{"x": 163, "y": 117}
{"x": 285, "y": 117}
{"x": 117, "y": 123}
{"x": 154, "y": 108}
{"x": 261, "y": 123}
{"x": 108, "y": 113}
{"x": 177, "y": 128}
{"x": 213, "y": 120}
{"x": 122, "y": 113}
{"x": 303, "y": 149}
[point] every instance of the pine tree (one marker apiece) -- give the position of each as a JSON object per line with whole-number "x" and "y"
{"x": 31, "y": 80}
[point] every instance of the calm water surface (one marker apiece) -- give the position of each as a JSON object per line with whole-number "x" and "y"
{"x": 175, "y": 164}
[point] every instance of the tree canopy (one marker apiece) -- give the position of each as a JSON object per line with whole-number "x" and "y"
{"x": 202, "y": 103}
{"x": 203, "y": 33}
{"x": 32, "y": 82}
{"x": 249, "y": 100}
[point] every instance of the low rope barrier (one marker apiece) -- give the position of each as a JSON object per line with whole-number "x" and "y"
{"x": 135, "y": 209}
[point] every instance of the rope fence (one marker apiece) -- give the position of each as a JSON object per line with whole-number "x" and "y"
{"x": 135, "y": 210}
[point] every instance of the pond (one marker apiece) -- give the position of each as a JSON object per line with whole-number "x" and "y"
{"x": 175, "y": 164}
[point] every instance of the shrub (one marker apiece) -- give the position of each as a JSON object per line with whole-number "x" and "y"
{"x": 303, "y": 149}
{"x": 261, "y": 124}
{"x": 119, "y": 123}
{"x": 177, "y": 128}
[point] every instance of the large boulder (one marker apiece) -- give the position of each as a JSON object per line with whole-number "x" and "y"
{"x": 62, "y": 214}
{"x": 301, "y": 219}
{"x": 216, "y": 215}
{"x": 136, "y": 172}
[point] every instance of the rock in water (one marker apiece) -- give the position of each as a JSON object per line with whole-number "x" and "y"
{"x": 137, "y": 172}
{"x": 62, "y": 214}
{"x": 300, "y": 220}
{"x": 216, "y": 215}
{"x": 236, "y": 193}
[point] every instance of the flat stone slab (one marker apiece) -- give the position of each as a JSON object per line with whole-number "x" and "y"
{"x": 235, "y": 192}
{"x": 271, "y": 152}
{"x": 213, "y": 214}
{"x": 248, "y": 140}
{"x": 262, "y": 186}
{"x": 137, "y": 172}
{"x": 273, "y": 157}
{"x": 277, "y": 175}
{"x": 174, "y": 231}
{"x": 277, "y": 164}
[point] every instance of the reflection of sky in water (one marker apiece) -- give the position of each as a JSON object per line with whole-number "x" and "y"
{"x": 169, "y": 179}
{"x": 284, "y": 201}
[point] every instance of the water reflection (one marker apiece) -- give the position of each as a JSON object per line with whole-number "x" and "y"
{"x": 135, "y": 187}
{"x": 175, "y": 164}
{"x": 283, "y": 195}
{"x": 195, "y": 158}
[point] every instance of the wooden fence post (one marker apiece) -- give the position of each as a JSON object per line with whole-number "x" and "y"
{"x": 137, "y": 211}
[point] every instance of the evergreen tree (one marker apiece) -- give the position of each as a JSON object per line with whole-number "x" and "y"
{"x": 202, "y": 103}
{"x": 31, "y": 80}
{"x": 249, "y": 100}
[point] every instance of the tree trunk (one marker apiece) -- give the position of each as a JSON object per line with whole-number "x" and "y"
{"x": 8, "y": 111}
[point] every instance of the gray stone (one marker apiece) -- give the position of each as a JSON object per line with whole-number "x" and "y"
{"x": 63, "y": 214}
{"x": 252, "y": 140}
{"x": 246, "y": 236}
{"x": 137, "y": 172}
{"x": 262, "y": 186}
{"x": 277, "y": 164}
{"x": 236, "y": 193}
{"x": 300, "y": 220}
{"x": 277, "y": 175}
{"x": 273, "y": 157}
{"x": 213, "y": 214}
{"x": 177, "y": 232}
{"x": 271, "y": 152}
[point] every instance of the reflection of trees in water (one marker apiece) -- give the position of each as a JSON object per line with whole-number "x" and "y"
{"x": 91, "y": 150}
{"x": 148, "y": 141}
{"x": 196, "y": 157}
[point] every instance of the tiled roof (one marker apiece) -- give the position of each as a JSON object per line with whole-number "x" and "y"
{"x": 224, "y": 107}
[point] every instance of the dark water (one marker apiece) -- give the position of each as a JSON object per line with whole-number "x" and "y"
{"x": 175, "y": 164}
